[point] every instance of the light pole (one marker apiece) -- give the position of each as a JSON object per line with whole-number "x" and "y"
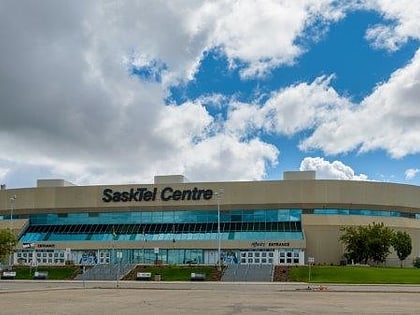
{"x": 12, "y": 206}
{"x": 144, "y": 243}
{"x": 218, "y": 195}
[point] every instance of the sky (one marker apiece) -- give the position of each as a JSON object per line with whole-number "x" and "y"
{"x": 116, "y": 92}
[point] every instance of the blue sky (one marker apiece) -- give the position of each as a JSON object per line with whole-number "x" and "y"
{"x": 109, "y": 93}
{"x": 342, "y": 51}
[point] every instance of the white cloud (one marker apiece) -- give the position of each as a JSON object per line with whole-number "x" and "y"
{"x": 204, "y": 152}
{"x": 411, "y": 173}
{"x": 290, "y": 110}
{"x": 69, "y": 103}
{"x": 330, "y": 170}
{"x": 387, "y": 119}
{"x": 404, "y": 23}
{"x": 262, "y": 34}
{"x": 225, "y": 157}
{"x": 3, "y": 173}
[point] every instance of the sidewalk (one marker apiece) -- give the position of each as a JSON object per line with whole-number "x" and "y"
{"x": 32, "y": 285}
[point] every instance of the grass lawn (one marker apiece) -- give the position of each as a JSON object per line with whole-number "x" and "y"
{"x": 178, "y": 273}
{"x": 356, "y": 275}
{"x": 54, "y": 273}
{"x": 167, "y": 273}
{"x": 319, "y": 274}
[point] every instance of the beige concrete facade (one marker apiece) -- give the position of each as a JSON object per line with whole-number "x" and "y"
{"x": 321, "y": 232}
{"x": 304, "y": 194}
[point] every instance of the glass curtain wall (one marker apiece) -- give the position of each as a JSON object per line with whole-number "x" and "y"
{"x": 166, "y": 226}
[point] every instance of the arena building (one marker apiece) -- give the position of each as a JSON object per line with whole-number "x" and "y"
{"x": 174, "y": 221}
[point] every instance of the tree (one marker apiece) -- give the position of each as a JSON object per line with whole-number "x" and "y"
{"x": 364, "y": 243}
{"x": 355, "y": 240}
{"x": 8, "y": 242}
{"x": 379, "y": 242}
{"x": 402, "y": 245}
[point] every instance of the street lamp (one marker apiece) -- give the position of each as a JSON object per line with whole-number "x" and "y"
{"x": 12, "y": 207}
{"x": 144, "y": 243}
{"x": 218, "y": 195}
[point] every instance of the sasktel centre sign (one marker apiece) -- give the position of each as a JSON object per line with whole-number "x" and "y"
{"x": 166, "y": 194}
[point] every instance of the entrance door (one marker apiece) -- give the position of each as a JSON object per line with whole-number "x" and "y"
{"x": 291, "y": 256}
{"x": 257, "y": 257}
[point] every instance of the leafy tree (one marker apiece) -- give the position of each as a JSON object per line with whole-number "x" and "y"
{"x": 364, "y": 243}
{"x": 402, "y": 245}
{"x": 8, "y": 242}
{"x": 355, "y": 240}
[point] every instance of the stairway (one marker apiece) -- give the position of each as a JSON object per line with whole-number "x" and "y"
{"x": 245, "y": 272}
{"x": 105, "y": 272}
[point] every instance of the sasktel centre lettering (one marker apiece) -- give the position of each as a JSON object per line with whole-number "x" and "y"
{"x": 167, "y": 193}
{"x": 172, "y": 221}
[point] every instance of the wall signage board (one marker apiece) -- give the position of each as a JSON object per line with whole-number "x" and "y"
{"x": 50, "y": 245}
{"x": 270, "y": 244}
{"x": 145, "y": 194}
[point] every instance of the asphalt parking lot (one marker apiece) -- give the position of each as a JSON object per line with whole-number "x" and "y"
{"x": 104, "y": 297}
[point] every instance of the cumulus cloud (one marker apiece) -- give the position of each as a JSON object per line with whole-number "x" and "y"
{"x": 3, "y": 173}
{"x": 83, "y": 89}
{"x": 403, "y": 23}
{"x": 290, "y": 110}
{"x": 387, "y": 119}
{"x": 329, "y": 170}
{"x": 83, "y": 86}
{"x": 411, "y": 173}
{"x": 280, "y": 22}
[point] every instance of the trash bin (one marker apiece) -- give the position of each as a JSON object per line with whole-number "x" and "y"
{"x": 157, "y": 277}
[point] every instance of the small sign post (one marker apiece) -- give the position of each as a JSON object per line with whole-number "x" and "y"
{"x": 84, "y": 271}
{"x": 156, "y": 251}
{"x": 119, "y": 257}
{"x": 311, "y": 260}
